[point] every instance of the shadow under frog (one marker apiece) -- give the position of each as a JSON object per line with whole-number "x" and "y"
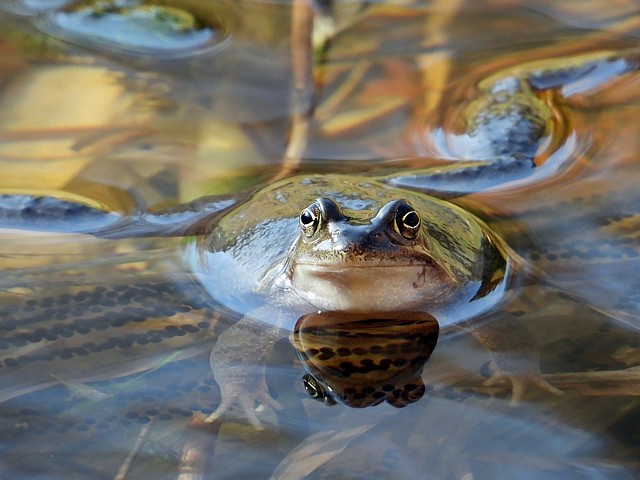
{"x": 362, "y": 244}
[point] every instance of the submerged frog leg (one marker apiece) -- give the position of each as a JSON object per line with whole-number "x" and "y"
{"x": 238, "y": 361}
{"x": 514, "y": 358}
{"x": 51, "y": 214}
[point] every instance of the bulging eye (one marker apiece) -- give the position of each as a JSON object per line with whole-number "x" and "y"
{"x": 407, "y": 221}
{"x": 310, "y": 219}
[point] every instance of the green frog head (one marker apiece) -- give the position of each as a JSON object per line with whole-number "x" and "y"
{"x": 355, "y": 260}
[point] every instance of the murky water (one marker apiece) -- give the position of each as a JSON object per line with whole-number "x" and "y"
{"x": 104, "y": 343}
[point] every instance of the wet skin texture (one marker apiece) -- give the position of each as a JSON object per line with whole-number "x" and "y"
{"x": 352, "y": 244}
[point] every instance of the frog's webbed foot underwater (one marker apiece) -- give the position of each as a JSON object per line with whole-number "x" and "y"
{"x": 239, "y": 387}
{"x": 514, "y": 358}
{"x": 521, "y": 384}
{"x": 238, "y": 361}
{"x": 520, "y": 374}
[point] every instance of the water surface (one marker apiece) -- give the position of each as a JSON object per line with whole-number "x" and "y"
{"x": 104, "y": 344}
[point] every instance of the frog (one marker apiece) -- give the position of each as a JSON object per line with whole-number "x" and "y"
{"x": 391, "y": 254}
{"x": 357, "y": 246}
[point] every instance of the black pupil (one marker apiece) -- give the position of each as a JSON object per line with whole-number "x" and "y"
{"x": 411, "y": 219}
{"x": 306, "y": 218}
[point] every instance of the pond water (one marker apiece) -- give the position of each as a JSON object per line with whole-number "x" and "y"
{"x": 125, "y": 106}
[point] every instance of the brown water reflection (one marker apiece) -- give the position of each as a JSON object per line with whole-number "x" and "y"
{"x": 128, "y": 133}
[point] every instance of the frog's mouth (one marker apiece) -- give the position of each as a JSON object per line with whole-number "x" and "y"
{"x": 367, "y": 286}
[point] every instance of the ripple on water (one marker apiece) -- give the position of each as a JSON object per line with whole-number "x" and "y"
{"x": 59, "y": 211}
{"x": 135, "y": 27}
{"x": 29, "y": 7}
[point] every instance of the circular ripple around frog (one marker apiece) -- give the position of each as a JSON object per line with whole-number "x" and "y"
{"x": 150, "y": 28}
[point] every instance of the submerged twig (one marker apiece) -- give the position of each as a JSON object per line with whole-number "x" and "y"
{"x": 435, "y": 65}
{"x": 617, "y": 382}
{"x": 197, "y": 450}
{"x": 126, "y": 465}
{"x": 302, "y": 95}
{"x": 625, "y": 382}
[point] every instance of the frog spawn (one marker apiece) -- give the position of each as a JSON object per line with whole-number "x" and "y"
{"x": 118, "y": 357}
{"x": 84, "y": 314}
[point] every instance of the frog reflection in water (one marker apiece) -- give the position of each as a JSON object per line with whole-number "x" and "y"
{"x": 363, "y": 361}
{"x": 361, "y": 247}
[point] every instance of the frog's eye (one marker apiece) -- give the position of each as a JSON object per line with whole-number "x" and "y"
{"x": 317, "y": 391}
{"x": 310, "y": 219}
{"x": 407, "y": 221}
